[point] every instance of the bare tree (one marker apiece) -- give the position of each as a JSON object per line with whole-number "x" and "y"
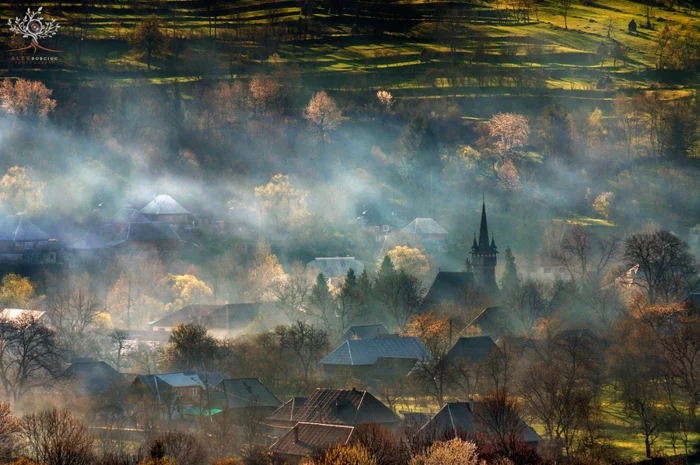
{"x": 119, "y": 340}
{"x": 401, "y": 294}
{"x": 29, "y": 357}
{"x": 305, "y": 342}
{"x": 72, "y": 312}
{"x": 497, "y": 416}
{"x": 667, "y": 268}
{"x": 56, "y": 437}
{"x": 581, "y": 254}
{"x": 292, "y": 293}
{"x": 563, "y": 6}
{"x": 185, "y": 448}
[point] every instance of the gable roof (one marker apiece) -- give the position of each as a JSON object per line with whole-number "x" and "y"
{"x": 155, "y": 383}
{"x": 367, "y": 351}
{"x": 308, "y": 439}
{"x": 19, "y": 228}
{"x": 164, "y": 205}
{"x": 346, "y": 407}
{"x": 424, "y": 226}
{"x": 287, "y": 411}
{"x": 448, "y": 286}
{"x": 495, "y": 322}
{"x": 130, "y": 215}
{"x": 92, "y": 378}
{"x": 244, "y": 392}
{"x": 472, "y": 349}
{"x": 364, "y": 332}
{"x": 152, "y": 231}
{"x": 16, "y": 313}
{"x": 456, "y": 417}
{"x": 211, "y": 316}
{"x": 333, "y": 267}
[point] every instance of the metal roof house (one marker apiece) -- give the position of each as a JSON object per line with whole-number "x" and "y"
{"x": 374, "y": 361}
{"x": 472, "y": 350}
{"x": 458, "y": 418}
{"x": 336, "y": 268}
{"x": 165, "y": 208}
{"x": 349, "y": 407}
{"x": 309, "y": 440}
{"x": 242, "y": 393}
{"x": 221, "y": 320}
{"x": 21, "y": 241}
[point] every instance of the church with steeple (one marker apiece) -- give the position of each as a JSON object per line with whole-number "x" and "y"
{"x": 451, "y": 286}
{"x": 484, "y": 256}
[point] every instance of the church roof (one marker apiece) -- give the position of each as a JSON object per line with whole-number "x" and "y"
{"x": 449, "y": 286}
{"x": 164, "y": 205}
{"x": 483, "y": 245}
{"x": 424, "y": 226}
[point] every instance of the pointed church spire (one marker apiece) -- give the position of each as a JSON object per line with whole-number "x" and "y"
{"x": 484, "y": 229}
{"x": 474, "y": 245}
{"x": 493, "y": 242}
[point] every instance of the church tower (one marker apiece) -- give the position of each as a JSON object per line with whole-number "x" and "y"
{"x": 484, "y": 256}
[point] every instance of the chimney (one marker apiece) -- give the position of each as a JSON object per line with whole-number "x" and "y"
{"x": 296, "y": 434}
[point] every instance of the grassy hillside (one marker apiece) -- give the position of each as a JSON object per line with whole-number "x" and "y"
{"x": 468, "y": 49}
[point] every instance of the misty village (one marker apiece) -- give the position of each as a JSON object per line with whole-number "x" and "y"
{"x": 349, "y": 232}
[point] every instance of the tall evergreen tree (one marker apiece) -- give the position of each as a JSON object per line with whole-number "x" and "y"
{"x": 322, "y": 303}
{"x": 510, "y": 279}
{"x": 386, "y": 269}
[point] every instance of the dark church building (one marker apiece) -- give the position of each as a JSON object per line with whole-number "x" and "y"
{"x": 453, "y": 286}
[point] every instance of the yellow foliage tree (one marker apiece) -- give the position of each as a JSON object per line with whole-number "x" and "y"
{"x": 16, "y": 290}
{"x": 409, "y": 259}
{"x": 453, "y": 452}
{"x": 186, "y": 289}
{"x": 354, "y": 454}
{"x": 280, "y": 199}
{"x": 20, "y": 192}
{"x": 265, "y": 274}
{"x": 26, "y": 98}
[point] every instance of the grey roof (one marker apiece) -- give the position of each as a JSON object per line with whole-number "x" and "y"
{"x": 367, "y": 351}
{"x": 130, "y": 215}
{"x": 244, "y": 392}
{"x": 92, "y": 378}
{"x": 448, "y": 286}
{"x": 422, "y": 226}
{"x": 19, "y": 228}
{"x": 152, "y": 231}
{"x": 332, "y": 267}
{"x": 472, "y": 349}
{"x": 211, "y": 316}
{"x": 495, "y": 322}
{"x": 345, "y": 407}
{"x": 287, "y": 411}
{"x": 164, "y": 205}
{"x": 308, "y": 439}
{"x": 458, "y": 417}
{"x": 364, "y": 332}
{"x": 156, "y": 383}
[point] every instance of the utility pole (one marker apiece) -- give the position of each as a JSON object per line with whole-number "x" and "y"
{"x": 128, "y": 306}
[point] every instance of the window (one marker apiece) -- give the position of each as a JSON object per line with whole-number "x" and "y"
{"x": 194, "y": 392}
{"x": 28, "y": 245}
{"x": 178, "y": 392}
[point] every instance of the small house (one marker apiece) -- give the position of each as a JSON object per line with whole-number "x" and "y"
{"x": 22, "y": 242}
{"x": 309, "y": 440}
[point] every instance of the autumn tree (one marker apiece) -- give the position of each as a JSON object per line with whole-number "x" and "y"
{"x": 56, "y": 437}
{"x": 322, "y": 114}
{"x": 263, "y": 274}
{"x": 265, "y": 95}
{"x": 30, "y": 99}
{"x": 509, "y": 131}
{"x": 280, "y": 199}
{"x": 453, "y": 452}
{"x": 149, "y": 37}
{"x": 20, "y": 192}
{"x": 9, "y": 429}
{"x": 437, "y": 374}
{"x": 185, "y": 290}
{"x": 351, "y": 454}
{"x": 16, "y": 291}
{"x": 667, "y": 268}
{"x": 409, "y": 259}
